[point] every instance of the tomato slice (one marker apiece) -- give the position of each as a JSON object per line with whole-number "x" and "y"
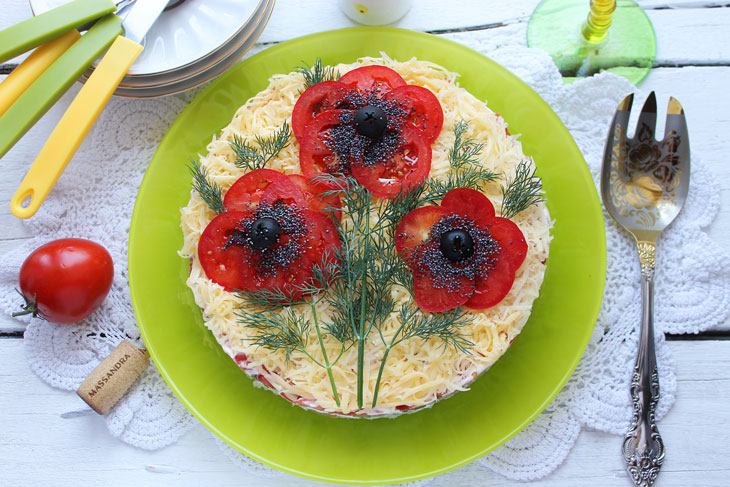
{"x": 220, "y": 263}
{"x": 423, "y": 108}
{"x": 246, "y": 193}
{"x": 510, "y": 238}
{"x": 414, "y": 229}
{"x": 327, "y": 95}
{"x": 284, "y": 189}
{"x": 321, "y": 240}
{"x": 408, "y": 168}
{"x": 313, "y": 197}
{"x": 492, "y": 288}
{"x": 315, "y": 155}
{"x": 433, "y": 299}
{"x": 324, "y": 244}
{"x": 471, "y": 204}
{"x": 297, "y": 190}
{"x": 371, "y": 77}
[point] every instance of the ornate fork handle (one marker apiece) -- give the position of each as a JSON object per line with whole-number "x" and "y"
{"x": 643, "y": 448}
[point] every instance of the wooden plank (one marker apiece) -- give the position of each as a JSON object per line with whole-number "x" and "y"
{"x": 677, "y": 39}
{"x": 695, "y": 432}
{"x": 424, "y": 15}
{"x": 13, "y": 12}
{"x": 677, "y": 42}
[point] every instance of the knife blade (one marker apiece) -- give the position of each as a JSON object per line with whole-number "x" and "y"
{"x": 141, "y": 17}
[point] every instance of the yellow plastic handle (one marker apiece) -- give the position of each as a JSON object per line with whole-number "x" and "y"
{"x": 73, "y": 127}
{"x": 24, "y": 75}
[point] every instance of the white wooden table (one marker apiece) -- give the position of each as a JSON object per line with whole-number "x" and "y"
{"x": 39, "y": 447}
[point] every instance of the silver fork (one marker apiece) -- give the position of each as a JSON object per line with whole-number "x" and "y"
{"x": 644, "y": 185}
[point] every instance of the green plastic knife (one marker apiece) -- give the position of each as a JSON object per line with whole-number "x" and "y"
{"x": 50, "y": 85}
{"x": 37, "y": 30}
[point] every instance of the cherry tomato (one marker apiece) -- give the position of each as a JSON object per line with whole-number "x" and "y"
{"x": 246, "y": 192}
{"x": 424, "y": 109}
{"x": 220, "y": 263}
{"x": 371, "y": 77}
{"x": 66, "y": 280}
{"x": 408, "y": 168}
{"x": 315, "y": 155}
{"x": 327, "y": 95}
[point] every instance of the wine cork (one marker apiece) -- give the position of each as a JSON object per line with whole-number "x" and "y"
{"x": 108, "y": 382}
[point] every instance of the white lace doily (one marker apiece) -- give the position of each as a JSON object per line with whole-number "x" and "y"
{"x": 95, "y": 196}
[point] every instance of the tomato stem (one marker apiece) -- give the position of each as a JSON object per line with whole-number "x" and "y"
{"x": 24, "y": 312}
{"x": 29, "y": 307}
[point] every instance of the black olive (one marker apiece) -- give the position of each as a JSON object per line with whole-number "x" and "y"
{"x": 370, "y": 121}
{"x": 264, "y": 233}
{"x": 457, "y": 245}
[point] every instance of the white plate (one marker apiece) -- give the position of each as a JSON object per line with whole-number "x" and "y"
{"x": 210, "y": 73}
{"x": 184, "y": 34}
{"x": 204, "y": 63}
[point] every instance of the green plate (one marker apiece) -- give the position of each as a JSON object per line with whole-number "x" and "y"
{"x": 456, "y": 430}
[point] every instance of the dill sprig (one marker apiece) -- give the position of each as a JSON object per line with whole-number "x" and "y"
{"x": 414, "y": 323}
{"x": 466, "y": 169}
{"x": 287, "y": 331}
{"x": 209, "y": 191}
{"x": 276, "y": 332}
{"x": 523, "y": 191}
{"x": 318, "y": 73}
{"x": 350, "y": 294}
{"x": 465, "y": 150}
{"x": 370, "y": 267}
{"x": 269, "y": 299}
{"x": 444, "y": 326}
{"x": 290, "y": 332}
{"x": 252, "y": 157}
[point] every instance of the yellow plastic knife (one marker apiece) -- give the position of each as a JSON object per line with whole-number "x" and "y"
{"x": 73, "y": 127}
{"x": 30, "y": 69}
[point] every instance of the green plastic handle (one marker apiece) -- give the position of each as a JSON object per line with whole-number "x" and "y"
{"x": 35, "y": 31}
{"x": 55, "y": 80}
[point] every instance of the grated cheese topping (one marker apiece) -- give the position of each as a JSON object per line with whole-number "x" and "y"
{"x": 417, "y": 372}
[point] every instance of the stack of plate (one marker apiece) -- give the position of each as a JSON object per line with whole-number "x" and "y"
{"x": 193, "y": 41}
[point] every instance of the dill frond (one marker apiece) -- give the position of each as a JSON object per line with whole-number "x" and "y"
{"x": 523, "y": 191}
{"x": 465, "y": 150}
{"x": 414, "y": 323}
{"x": 445, "y": 326}
{"x": 209, "y": 191}
{"x": 393, "y": 210}
{"x": 272, "y": 299}
{"x": 318, "y": 73}
{"x": 276, "y": 332}
{"x": 466, "y": 169}
{"x": 252, "y": 157}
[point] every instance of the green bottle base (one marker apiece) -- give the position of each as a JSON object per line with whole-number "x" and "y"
{"x": 629, "y": 49}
